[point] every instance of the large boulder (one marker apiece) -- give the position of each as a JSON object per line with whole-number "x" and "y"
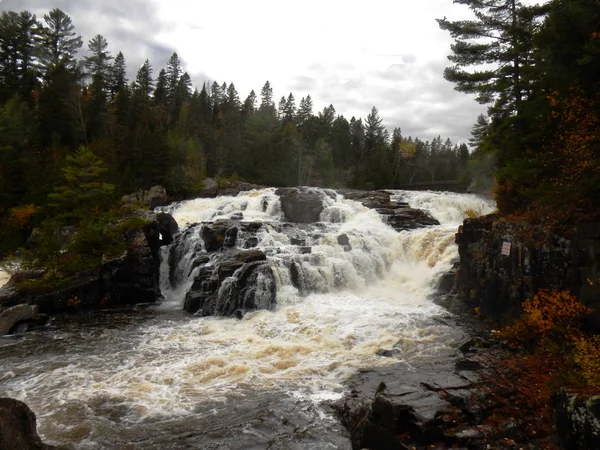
{"x": 300, "y": 205}
{"x": 18, "y": 430}
{"x": 20, "y": 317}
{"x": 214, "y": 235}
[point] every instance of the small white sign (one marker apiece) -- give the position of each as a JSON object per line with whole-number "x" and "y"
{"x": 506, "y": 248}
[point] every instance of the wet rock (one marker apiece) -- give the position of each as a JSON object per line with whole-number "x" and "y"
{"x": 230, "y": 237}
{"x": 393, "y": 353}
{"x": 213, "y": 235}
{"x": 343, "y": 239}
{"x": 398, "y": 215}
{"x": 251, "y": 227}
{"x": 410, "y": 219}
{"x": 20, "y": 318}
{"x": 297, "y": 241}
{"x": 300, "y": 205}
{"x": 235, "y": 282}
{"x": 577, "y": 420}
{"x": 467, "y": 346}
{"x": 18, "y": 429}
{"x": 251, "y": 242}
{"x": 305, "y": 250}
{"x": 446, "y": 282}
{"x": 168, "y": 227}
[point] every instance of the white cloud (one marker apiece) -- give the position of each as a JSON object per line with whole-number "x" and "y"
{"x": 387, "y": 53}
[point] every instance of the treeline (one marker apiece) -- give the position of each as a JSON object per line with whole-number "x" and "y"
{"x": 543, "y": 124}
{"x": 157, "y": 129}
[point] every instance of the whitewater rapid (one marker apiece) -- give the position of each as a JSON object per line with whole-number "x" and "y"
{"x": 85, "y": 379}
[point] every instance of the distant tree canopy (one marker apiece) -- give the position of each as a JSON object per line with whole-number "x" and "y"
{"x": 542, "y": 129}
{"x": 157, "y": 129}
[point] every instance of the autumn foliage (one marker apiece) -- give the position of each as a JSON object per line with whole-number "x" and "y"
{"x": 544, "y": 349}
{"x": 548, "y": 319}
{"x": 20, "y": 217}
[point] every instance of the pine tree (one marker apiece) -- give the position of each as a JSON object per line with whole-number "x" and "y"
{"x": 249, "y": 105}
{"x": 83, "y": 189}
{"x": 266, "y": 98}
{"x": 98, "y": 64}
{"x": 118, "y": 75}
{"x": 289, "y": 112}
{"x": 18, "y": 35}
{"x": 479, "y": 133}
{"x": 281, "y": 108}
{"x": 161, "y": 89}
{"x": 373, "y": 129}
{"x": 144, "y": 84}
{"x": 58, "y": 43}
{"x": 501, "y": 35}
{"x": 172, "y": 76}
{"x": 233, "y": 99}
{"x": 305, "y": 111}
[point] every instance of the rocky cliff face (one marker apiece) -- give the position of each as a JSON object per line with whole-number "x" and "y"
{"x": 497, "y": 283}
{"x": 130, "y": 278}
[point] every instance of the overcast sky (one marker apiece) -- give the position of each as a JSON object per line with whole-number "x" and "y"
{"x": 384, "y": 53}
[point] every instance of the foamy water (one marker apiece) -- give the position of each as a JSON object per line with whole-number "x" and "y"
{"x": 4, "y": 277}
{"x": 357, "y": 302}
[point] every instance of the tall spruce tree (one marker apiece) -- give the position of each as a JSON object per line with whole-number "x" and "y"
{"x": 58, "y": 43}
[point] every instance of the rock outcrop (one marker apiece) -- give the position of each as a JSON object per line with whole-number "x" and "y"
{"x": 18, "y": 430}
{"x": 399, "y": 409}
{"x": 400, "y": 216}
{"x": 577, "y": 420}
{"x": 537, "y": 259}
{"x": 301, "y": 205}
{"x": 130, "y": 278}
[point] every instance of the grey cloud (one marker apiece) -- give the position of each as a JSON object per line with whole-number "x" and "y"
{"x": 106, "y": 17}
{"x": 414, "y": 97}
{"x": 303, "y": 83}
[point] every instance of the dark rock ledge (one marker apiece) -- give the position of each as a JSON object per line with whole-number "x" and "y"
{"x": 399, "y": 215}
{"x": 18, "y": 429}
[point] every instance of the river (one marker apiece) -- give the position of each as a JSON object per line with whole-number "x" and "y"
{"x": 159, "y": 378}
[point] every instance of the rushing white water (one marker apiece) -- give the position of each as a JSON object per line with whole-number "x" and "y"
{"x": 4, "y": 277}
{"x": 354, "y": 302}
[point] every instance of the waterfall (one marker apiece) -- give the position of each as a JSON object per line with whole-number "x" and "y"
{"x": 346, "y": 288}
